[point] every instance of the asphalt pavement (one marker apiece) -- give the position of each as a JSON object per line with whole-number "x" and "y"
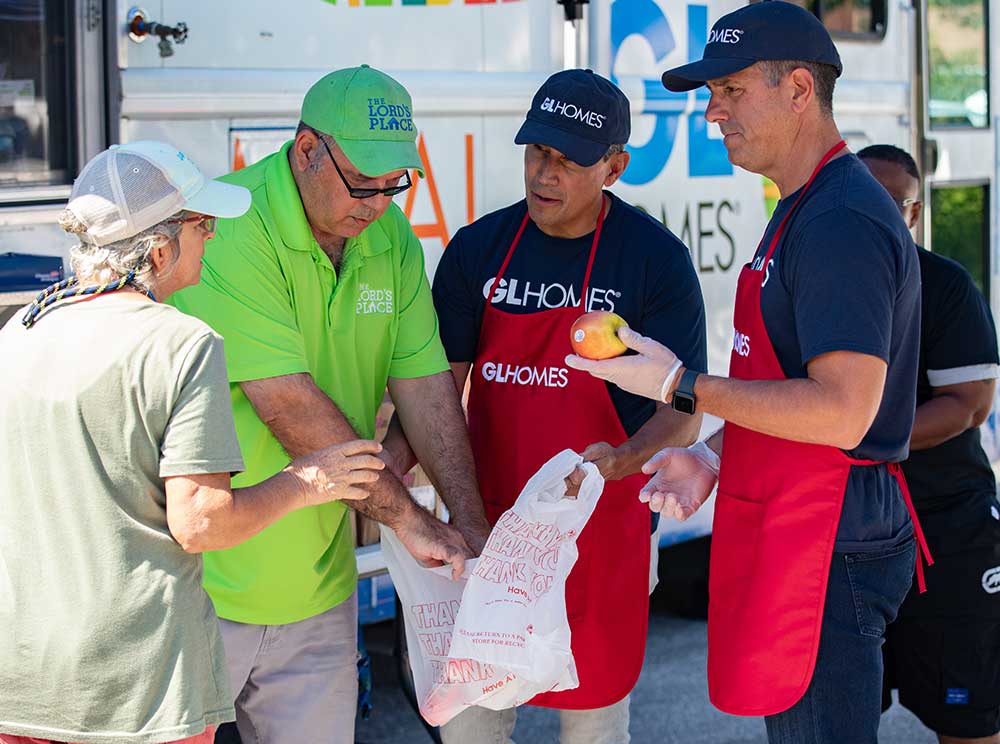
{"x": 670, "y": 703}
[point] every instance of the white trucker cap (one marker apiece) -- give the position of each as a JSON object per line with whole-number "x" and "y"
{"x": 129, "y": 188}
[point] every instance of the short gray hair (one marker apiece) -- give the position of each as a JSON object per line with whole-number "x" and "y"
{"x": 107, "y": 263}
{"x": 824, "y": 78}
{"x": 318, "y": 155}
{"x": 613, "y": 150}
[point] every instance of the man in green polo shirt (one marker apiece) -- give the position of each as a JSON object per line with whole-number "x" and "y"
{"x": 320, "y": 294}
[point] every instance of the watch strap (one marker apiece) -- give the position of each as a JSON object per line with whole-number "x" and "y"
{"x": 684, "y": 399}
{"x": 686, "y": 385}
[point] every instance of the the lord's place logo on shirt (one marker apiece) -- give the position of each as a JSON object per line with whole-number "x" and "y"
{"x": 374, "y": 301}
{"x": 387, "y": 117}
{"x": 543, "y": 296}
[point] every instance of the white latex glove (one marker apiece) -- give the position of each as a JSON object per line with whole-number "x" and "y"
{"x": 651, "y": 373}
{"x": 683, "y": 478}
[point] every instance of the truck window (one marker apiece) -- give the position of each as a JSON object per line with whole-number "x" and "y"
{"x": 35, "y": 137}
{"x": 958, "y": 80}
{"x": 959, "y": 228}
{"x": 858, "y": 19}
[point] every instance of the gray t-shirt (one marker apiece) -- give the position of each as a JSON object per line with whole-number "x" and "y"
{"x": 105, "y": 631}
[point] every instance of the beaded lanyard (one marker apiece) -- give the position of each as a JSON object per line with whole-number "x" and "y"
{"x": 61, "y": 290}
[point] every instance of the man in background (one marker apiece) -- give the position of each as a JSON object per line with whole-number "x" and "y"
{"x": 943, "y": 651}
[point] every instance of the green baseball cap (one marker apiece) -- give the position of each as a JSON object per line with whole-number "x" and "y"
{"x": 371, "y": 117}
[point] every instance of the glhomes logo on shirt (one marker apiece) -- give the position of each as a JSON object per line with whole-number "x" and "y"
{"x": 572, "y": 111}
{"x": 758, "y": 264}
{"x": 374, "y": 301}
{"x": 386, "y": 117}
{"x": 741, "y": 343}
{"x": 510, "y": 374}
{"x": 725, "y": 35}
{"x": 542, "y": 296}
{"x": 991, "y": 580}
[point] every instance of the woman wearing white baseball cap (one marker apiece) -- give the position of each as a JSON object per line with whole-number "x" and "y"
{"x": 117, "y": 444}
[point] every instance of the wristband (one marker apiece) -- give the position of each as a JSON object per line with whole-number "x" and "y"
{"x": 706, "y": 454}
{"x": 669, "y": 381}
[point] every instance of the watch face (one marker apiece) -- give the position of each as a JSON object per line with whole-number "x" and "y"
{"x": 683, "y": 403}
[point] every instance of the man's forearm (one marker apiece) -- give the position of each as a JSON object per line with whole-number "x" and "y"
{"x": 304, "y": 419}
{"x": 797, "y": 409}
{"x": 397, "y": 448}
{"x": 939, "y": 420}
{"x": 952, "y": 410}
{"x": 665, "y": 428}
{"x": 430, "y": 412}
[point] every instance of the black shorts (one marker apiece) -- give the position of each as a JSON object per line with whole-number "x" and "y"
{"x": 948, "y": 673}
{"x": 943, "y": 652}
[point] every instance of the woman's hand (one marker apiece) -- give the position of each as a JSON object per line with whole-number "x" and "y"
{"x": 336, "y": 472}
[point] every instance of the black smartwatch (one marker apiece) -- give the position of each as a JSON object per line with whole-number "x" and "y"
{"x": 684, "y": 400}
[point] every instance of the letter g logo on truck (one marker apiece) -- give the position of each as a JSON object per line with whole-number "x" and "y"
{"x": 646, "y": 19}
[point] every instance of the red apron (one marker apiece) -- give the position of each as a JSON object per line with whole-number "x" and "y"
{"x": 776, "y": 516}
{"x": 525, "y": 406}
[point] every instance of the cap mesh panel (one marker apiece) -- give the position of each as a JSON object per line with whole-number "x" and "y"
{"x": 146, "y": 196}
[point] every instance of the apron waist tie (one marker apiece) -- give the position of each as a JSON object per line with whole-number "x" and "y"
{"x": 923, "y": 552}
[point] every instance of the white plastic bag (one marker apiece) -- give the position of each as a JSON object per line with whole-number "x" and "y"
{"x": 513, "y": 611}
{"x": 510, "y": 603}
{"x": 430, "y": 602}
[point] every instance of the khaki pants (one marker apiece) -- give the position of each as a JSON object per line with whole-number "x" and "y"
{"x": 296, "y": 683}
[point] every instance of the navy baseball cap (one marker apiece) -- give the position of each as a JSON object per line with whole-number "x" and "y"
{"x": 580, "y": 114}
{"x": 768, "y": 30}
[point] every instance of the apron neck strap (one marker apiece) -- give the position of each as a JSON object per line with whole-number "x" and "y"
{"x": 590, "y": 261}
{"x": 802, "y": 192}
{"x": 593, "y": 254}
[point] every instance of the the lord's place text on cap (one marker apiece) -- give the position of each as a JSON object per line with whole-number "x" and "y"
{"x": 384, "y": 116}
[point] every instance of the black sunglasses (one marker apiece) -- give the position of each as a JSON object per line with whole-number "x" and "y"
{"x": 357, "y": 193}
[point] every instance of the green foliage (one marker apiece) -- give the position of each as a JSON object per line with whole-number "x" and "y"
{"x": 957, "y": 26}
{"x": 957, "y": 78}
{"x": 972, "y": 10}
{"x": 958, "y": 227}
